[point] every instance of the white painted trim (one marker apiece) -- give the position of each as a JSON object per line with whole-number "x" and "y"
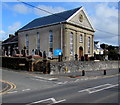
{"x": 88, "y": 18}
{"x": 77, "y": 13}
{"x": 74, "y": 15}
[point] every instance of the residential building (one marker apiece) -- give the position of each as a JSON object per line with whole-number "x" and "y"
{"x": 10, "y": 45}
{"x": 71, "y": 31}
{"x": 97, "y": 49}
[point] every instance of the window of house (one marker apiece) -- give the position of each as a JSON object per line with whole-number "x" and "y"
{"x": 38, "y": 41}
{"x": 88, "y": 45}
{"x": 27, "y": 42}
{"x": 50, "y": 41}
{"x": 81, "y": 38}
{"x": 71, "y": 43}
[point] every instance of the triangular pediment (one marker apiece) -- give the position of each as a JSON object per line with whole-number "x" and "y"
{"x": 81, "y": 18}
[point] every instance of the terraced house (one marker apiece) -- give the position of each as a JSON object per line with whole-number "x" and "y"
{"x": 71, "y": 31}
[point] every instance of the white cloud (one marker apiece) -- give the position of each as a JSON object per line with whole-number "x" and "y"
{"x": 10, "y": 30}
{"x": 14, "y": 27}
{"x": 20, "y": 8}
{"x": 2, "y": 32}
{"x": 47, "y": 8}
{"x": 106, "y": 19}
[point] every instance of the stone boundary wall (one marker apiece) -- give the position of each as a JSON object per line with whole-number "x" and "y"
{"x": 76, "y": 66}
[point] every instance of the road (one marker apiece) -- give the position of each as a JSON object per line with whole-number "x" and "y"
{"x": 50, "y": 91}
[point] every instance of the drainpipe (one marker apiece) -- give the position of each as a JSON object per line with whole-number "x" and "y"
{"x": 61, "y": 37}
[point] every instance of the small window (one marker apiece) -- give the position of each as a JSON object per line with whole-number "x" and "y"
{"x": 81, "y": 38}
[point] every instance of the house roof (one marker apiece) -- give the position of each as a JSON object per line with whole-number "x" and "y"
{"x": 51, "y": 19}
{"x": 12, "y": 39}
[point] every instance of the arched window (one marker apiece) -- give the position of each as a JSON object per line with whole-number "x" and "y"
{"x": 81, "y": 38}
{"x": 71, "y": 43}
{"x": 50, "y": 41}
{"x": 27, "y": 41}
{"x": 38, "y": 41}
{"x": 88, "y": 45}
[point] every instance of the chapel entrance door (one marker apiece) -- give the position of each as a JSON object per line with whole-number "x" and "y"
{"x": 80, "y": 52}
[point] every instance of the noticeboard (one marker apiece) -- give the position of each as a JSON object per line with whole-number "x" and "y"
{"x": 57, "y": 52}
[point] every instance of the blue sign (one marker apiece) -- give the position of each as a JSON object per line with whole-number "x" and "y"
{"x": 57, "y": 52}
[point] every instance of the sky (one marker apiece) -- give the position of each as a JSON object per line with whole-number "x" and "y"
{"x": 103, "y": 16}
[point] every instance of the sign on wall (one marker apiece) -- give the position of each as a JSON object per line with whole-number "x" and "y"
{"x": 57, "y": 52}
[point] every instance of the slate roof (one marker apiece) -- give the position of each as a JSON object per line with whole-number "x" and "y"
{"x": 51, "y": 19}
{"x": 12, "y": 39}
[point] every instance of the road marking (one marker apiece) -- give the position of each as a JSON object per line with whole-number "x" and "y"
{"x": 40, "y": 80}
{"x": 4, "y": 89}
{"x": 98, "y": 88}
{"x": 13, "y": 92}
{"x": 103, "y": 88}
{"x": 60, "y": 83}
{"x": 76, "y": 80}
{"x": 12, "y": 86}
{"x": 50, "y": 79}
{"x": 25, "y": 90}
{"x": 49, "y": 99}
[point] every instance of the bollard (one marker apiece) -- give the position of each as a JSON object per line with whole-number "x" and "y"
{"x": 104, "y": 72}
{"x": 83, "y": 72}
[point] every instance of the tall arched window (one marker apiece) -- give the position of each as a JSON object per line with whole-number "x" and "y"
{"x": 27, "y": 41}
{"x": 50, "y": 41}
{"x": 38, "y": 41}
{"x": 71, "y": 43}
{"x": 88, "y": 45}
{"x": 81, "y": 38}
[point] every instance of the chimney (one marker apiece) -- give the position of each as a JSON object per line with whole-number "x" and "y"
{"x": 11, "y": 35}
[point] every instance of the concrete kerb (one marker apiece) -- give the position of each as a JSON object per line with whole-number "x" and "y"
{"x": 87, "y": 73}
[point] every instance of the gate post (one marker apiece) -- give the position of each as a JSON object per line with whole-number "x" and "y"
{"x": 31, "y": 64}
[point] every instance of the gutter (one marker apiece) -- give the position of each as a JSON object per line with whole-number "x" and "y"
{"x": 41, "y": 26}
{"x": 9, "y": 43}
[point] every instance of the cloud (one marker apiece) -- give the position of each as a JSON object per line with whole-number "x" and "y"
{"x": 2, "y": 32}
{"x": 106, "y": 19}
{"x": 10, "y": 30}
{"x": 14, "y": 27}
{"x": 20, "y": 8}
{"x": 47, "y": 8}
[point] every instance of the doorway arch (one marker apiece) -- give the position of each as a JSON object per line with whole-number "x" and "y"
{"x": 80, "y": 52}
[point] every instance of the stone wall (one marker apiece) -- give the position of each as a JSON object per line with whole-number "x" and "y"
{"x": 76, "y": 66}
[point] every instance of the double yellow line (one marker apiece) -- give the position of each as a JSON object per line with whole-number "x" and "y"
{"x": 5, "y": 90}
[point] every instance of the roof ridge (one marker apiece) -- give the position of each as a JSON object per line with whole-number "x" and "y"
{"x": 59, "y": 12}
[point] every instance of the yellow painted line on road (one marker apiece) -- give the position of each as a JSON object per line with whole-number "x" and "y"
{"x": 12, "y": 86}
